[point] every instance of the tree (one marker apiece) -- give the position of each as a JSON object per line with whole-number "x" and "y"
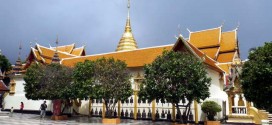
{"x": 50, "y": 82}
{"x": 112, "y": 83}
{"x": 33, "y": 78}
{"x": 83, "y": 77}
{"x": 210, "y": 108}
{"x": 256, "y": 77}
{"x": 176, "y": 76}
{"x": 4, "y": 67}
{"x": 4, "y": 63}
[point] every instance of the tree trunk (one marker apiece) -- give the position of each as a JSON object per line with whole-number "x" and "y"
{"x": 179, "y": 113}
{"x": 188, "y": 109}
{"x": 57, "y": 107}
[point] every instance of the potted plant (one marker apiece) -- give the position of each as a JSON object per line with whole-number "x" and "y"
{"x": 211, "y": 108}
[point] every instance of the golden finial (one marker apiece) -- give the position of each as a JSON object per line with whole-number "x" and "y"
{"x": 127, "y": 41}
{"x": 57, "y": 42}
{"x": 20, "y": 48}
{"x": 128, "y": 6}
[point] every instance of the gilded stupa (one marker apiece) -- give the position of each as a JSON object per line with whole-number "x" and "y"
{"x": 127, "y": 41}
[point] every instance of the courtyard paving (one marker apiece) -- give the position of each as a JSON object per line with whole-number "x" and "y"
{"x": 34, "y": 119}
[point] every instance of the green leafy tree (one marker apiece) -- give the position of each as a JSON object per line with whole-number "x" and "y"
{"x": 112, "y": 83}
{"x": 4, "y": 63}
{"x": 256, "y": 77}
{"x": 50, "y": 82}
{"x": 4, "y": 66}
{"x": 83, "y": 77}
{"x": 33, "y": 76}
{"x": 176, "y": 76}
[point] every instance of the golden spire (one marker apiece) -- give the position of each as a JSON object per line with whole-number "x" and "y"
{"x": 18, "y": 64}
{"x": 56, "y": 58}
{"x": 127, "y": 41}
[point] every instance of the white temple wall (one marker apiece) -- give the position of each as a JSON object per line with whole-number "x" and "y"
{"x": 217, "y": 93}
{"x": 84, "y": 108}
{"x": 14, "y": 100}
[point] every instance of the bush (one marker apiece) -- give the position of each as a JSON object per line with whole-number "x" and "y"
{"x": 210, "y": 108}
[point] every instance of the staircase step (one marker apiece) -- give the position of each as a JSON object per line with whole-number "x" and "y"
{"x": 270, "y": 119}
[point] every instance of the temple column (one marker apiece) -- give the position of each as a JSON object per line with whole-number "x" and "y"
{"x": 153, "y": 110}
{"x": 241, "y": 101}
{"x": 119, "y": 109}
{"x": 173, "y": 112}
{"x": 230, "y": 98}
{"x": 135, "y": 104}
{"x": 103, "y": 109}
{"x": 196, "y": 111}
{"x": 248, "y": 105}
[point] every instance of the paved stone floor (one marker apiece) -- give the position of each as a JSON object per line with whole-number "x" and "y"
{"x": 34, "y": 119}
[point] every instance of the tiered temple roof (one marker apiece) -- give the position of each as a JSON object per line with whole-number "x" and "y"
{"x": 222, "y": 47}
{"x": 133, "y": 58}
{"x": 140, "y": 57}
{"x": 219, "y": 50}
{"x": 45, "y": 55}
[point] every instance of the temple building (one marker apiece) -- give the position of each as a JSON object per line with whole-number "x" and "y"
{"x": 219, "y": 51}
{"x": 38, "y": 54}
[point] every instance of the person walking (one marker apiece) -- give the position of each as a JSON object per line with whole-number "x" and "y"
{"x": 43, "y": 109}
{"x": 22, "y": 107}
{"x": 11, "y": 112}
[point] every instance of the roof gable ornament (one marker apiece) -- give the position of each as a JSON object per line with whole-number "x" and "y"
{"x": 127, "y": 41}
{"x": 237, "y": 27}
{"x": 222, "y": 24}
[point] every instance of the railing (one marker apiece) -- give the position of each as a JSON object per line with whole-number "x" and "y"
{"x": 239, "y": 110}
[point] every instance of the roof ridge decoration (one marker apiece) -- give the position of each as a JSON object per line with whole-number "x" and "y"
{"x": 127, "y": 41}
{"x": 67, "y": 48}
{"x": 52, "y": 50}
{"x": 63, "y": 45}
{"x": 204, "y": 30}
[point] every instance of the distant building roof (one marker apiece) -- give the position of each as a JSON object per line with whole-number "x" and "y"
{"x": 3, "y": 87}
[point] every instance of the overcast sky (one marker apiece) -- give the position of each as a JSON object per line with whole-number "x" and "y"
{"x": 99, "y": 24}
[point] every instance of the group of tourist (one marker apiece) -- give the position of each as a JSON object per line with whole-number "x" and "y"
{"x": 42, "y": 109}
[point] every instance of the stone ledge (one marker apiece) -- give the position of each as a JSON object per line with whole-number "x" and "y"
{"x": 111, "y": 121}
{"x": 240, "y": 119}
